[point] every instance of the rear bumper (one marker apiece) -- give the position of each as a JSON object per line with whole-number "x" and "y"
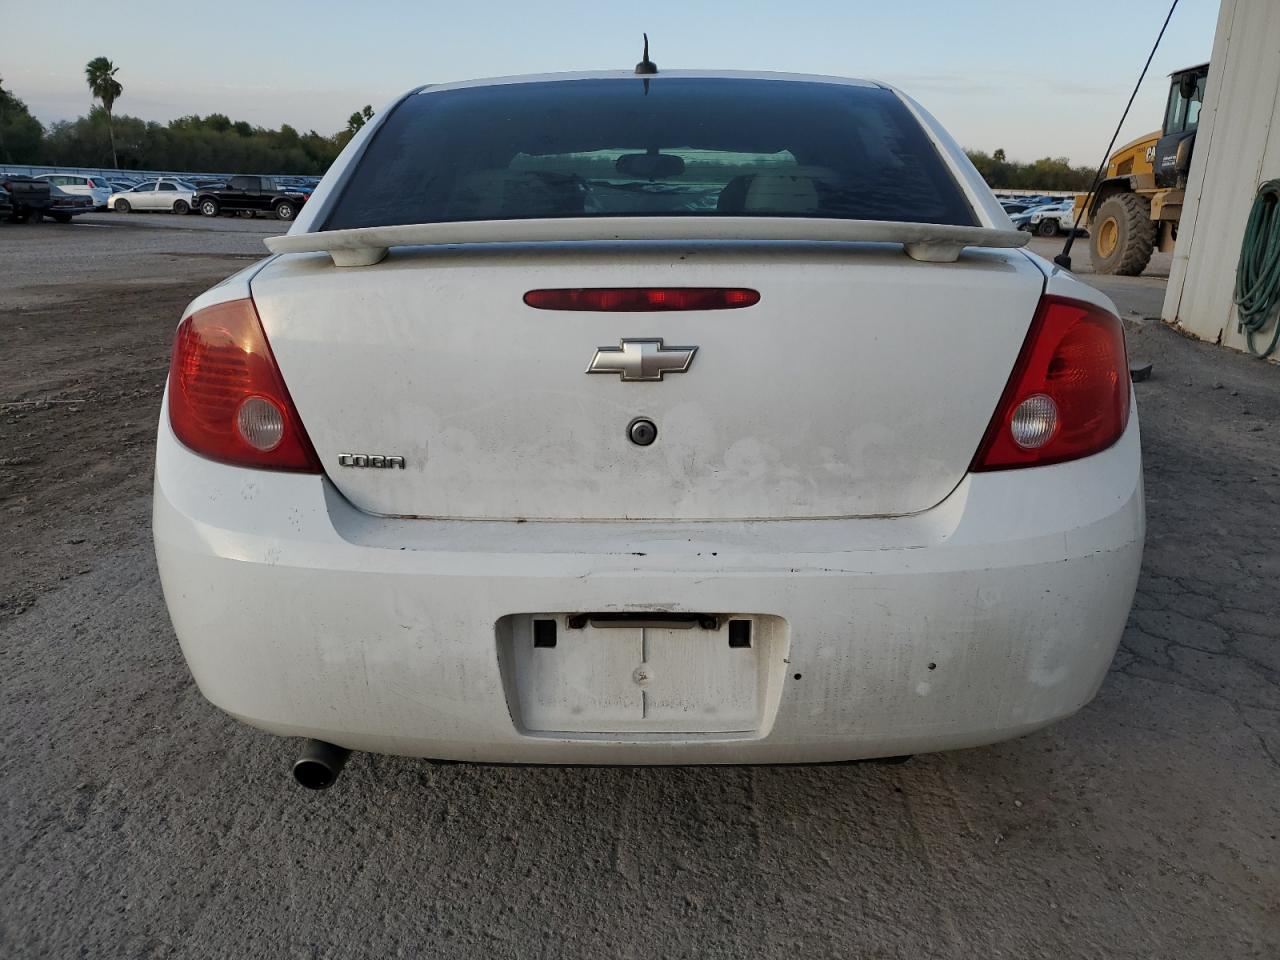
{"x": 986, "y": 617}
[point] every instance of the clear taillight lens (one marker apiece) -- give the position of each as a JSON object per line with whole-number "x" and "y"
{"x": 261, "y": 423}
{"x": 1034, "y": 422}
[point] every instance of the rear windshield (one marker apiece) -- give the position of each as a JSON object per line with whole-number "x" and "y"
{"x": 673, "y": 146}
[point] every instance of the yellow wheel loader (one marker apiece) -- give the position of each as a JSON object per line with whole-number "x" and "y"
{"x": 1136, "y": 207}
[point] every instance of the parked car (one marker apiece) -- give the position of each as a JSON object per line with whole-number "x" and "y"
{"x": 1022, "y": 217}
{"x": 32, "y": 199}
{"x": 513, "y": 453}
{"x": 1031, "y": 218}
{"x": 303, "y": 185}
{"x": 168, "y": 194}
{"x": 6, "y": 204}
{"x": 1020, "y": 204}
{"x": 251, "y": 194}
{"x": 123, "y": 192}
{"x": 1052, "y": 219}
{"x": 96, "y": 188}
{"x": 63, "y": 206}
{"x": 26, "y": 195}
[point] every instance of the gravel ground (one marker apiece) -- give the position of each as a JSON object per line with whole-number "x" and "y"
{"x": 137, "y": 821}
{"x": 1137, "y": 297}
{"x": 114, "y": 252}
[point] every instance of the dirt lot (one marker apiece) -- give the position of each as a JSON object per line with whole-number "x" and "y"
{"x": 137, "y": 821}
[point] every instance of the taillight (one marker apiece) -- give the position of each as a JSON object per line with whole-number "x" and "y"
{"x": 227, "y": 400}
{"x": 1068, "y": 396}
{"x": 636, "y": 299}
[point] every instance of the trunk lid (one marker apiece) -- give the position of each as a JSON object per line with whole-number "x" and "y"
{"x": 859, "y": 385}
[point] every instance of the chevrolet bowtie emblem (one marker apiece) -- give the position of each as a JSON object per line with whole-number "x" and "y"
{"x": 641, "y": 360}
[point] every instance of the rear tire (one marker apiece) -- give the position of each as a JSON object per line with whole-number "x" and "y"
{"x": 122, "y": 206}
{"x": 181, "y": 207}
{"x": 1122, "y": 236}
{"x": 209, "y": 208}
{"x": 1047, "y": 228}
{"x": 285, "y": 210}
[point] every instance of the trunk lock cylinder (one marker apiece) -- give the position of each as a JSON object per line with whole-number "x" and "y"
{"x": 642, "y": 431}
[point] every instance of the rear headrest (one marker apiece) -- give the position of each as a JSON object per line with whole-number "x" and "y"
{"x": 733, "y": 195}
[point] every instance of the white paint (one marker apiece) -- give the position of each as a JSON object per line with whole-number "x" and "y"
{"x": 366, "y": 246}
{"x": 861, "y": 383}
{"x": 306, "y": 617}
{"x": 1237, "y": 148}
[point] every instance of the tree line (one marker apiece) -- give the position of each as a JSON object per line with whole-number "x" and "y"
{"x": 213, "y": 143}
{"x": 216, "y": 143}
{"x": 1048, "y": 173}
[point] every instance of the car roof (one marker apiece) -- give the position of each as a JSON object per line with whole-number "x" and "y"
{"x": 632, "y": 75}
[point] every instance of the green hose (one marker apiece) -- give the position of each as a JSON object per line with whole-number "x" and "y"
{"x": 1258, "y": 275}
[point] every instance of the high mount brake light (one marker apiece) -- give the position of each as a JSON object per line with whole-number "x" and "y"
{"x": 640, "y": 299}
{"x": 227, "y": 400}
{"x": 1068, "y": 396}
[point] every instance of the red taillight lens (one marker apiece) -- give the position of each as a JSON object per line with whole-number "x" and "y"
{"x": 636, "y": 299}
{"x": 1068, "y": 396}
{"x": 227, "y": 400}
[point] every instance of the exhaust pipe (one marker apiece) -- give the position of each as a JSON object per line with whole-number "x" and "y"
{"x": 320, "y": 764}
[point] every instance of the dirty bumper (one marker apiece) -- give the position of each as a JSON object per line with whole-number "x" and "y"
{"x": 992, "y": 614}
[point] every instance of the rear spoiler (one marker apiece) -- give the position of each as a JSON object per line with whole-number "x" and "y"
{"x": 364, "y": 246}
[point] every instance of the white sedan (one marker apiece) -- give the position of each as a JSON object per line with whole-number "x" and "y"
{"x": 168, "y": 194}
{"x": 684, "y": 418}
{"x": 1053, "y": 219}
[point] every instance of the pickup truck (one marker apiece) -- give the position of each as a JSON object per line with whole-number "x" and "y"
{"x": 32, "y": 200}
{"x": 250, "y": 194}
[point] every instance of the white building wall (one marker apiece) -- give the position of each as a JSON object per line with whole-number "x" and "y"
{"x": 1237, "y": 148}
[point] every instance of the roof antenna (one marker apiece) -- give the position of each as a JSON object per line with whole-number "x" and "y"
{"x": 646, "y": 66}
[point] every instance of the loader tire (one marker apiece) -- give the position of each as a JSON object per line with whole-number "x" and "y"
{"x": 1122, "y": 235}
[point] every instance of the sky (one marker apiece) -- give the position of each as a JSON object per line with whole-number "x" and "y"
{"x": 1034, "y": 77}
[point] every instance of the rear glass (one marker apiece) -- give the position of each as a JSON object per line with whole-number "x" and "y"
{"x": 674, "y": 146}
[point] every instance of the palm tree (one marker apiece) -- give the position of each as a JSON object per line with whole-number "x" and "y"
{"x": 100, "y": 74}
